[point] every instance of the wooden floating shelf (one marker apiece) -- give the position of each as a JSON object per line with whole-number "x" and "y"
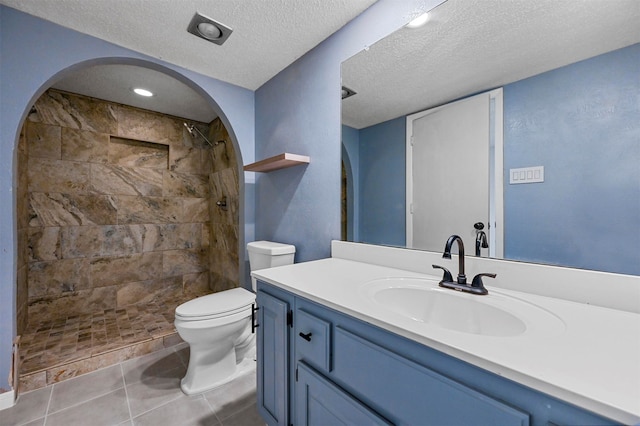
{"x": 281, "y": 161}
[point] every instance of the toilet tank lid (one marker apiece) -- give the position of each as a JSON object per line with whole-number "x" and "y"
{"x": 269, "y": 247}
{"x": 216, "y": 303}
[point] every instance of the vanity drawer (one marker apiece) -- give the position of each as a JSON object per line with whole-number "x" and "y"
{"x": 313, "y": 340}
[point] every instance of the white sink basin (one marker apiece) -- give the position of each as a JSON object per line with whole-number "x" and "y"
{"x": 495, "y": 314}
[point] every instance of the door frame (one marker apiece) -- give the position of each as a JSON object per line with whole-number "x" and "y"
{"x": 496, "y": 172}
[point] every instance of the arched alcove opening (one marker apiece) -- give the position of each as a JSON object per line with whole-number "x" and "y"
{"x": 118, "y": 221}
{"x": 348, "y": 203}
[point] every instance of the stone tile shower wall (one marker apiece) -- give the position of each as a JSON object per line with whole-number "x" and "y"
{"x": 223, "y": 186}
{"x": 118, "y": 208}
{"x": 22, "y": 208}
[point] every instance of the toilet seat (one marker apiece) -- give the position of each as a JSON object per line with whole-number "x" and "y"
{"x": 216, "y": 305}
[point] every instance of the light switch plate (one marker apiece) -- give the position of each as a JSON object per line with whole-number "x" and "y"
{"x": 526, "y": 175}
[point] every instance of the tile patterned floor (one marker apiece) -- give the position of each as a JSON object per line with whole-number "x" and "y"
{"x": 140, "y": 391}
{"x": 49, "y": 343}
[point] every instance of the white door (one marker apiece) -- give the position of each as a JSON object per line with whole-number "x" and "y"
{"x": 449, "y": 168}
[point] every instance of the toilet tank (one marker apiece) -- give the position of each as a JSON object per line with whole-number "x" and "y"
{"x": 267, "y": 254}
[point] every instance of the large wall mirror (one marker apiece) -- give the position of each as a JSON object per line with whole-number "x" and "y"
{"x": 567, "y": 73}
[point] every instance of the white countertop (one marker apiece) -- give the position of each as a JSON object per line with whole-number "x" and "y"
{"x": 592, "y": 362}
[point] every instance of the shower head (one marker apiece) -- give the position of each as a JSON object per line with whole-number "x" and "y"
{"x": 192, "y": 128}
{"x": 189, "y": 128}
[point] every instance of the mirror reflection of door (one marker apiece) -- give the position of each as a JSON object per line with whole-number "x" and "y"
{"x": 449, "y": 154}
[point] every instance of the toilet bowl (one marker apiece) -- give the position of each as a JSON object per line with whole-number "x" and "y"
{"x": 218, "y": 327}
{"x": 213, "y": 326}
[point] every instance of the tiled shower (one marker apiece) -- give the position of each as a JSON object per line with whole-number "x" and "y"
{"x": 117, "y": 225}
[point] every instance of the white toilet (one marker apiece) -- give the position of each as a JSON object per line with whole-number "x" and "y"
{"x": 217, "y": 326}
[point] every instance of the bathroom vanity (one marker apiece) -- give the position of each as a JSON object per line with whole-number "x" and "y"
{"x": 341, "y": 340}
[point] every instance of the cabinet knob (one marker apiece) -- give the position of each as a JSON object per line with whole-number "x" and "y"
{"x": 306, "y": 337}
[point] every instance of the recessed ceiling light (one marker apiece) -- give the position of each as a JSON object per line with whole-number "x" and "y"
{"x": 209, "y": 29}
{"x": 419, "y": 21}
{"x": 142, "y": 92}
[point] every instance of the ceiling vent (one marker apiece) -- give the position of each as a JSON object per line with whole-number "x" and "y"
{"x": 346, "y": 92}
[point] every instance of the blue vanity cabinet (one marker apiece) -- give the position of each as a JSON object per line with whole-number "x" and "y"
{"x": 343, "y": 370}
{"x": 273, "y": 366}
{"x": 346, "y": 371}
{"x": 318, "y": 401}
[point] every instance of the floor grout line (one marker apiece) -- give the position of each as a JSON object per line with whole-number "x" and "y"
{"x": 46, "y": 412}
{"x": 155, "y": 408}
{"x": 126, "y": 394}
{"x": 211, "y": 408}
{"x": 83, "y": 402}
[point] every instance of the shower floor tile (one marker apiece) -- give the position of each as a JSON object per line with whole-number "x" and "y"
{"x": 55, "y": 342}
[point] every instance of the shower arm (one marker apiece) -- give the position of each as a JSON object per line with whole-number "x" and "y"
{"x": 191, "y": 128}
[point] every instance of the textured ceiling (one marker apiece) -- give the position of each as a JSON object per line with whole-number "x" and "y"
{"x": 268, "y": 35}
{"x": 470, "y": 46}
{"x": 115, "y": 83}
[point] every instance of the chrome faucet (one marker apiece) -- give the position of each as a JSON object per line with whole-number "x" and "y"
{"x": 476, "y": 287}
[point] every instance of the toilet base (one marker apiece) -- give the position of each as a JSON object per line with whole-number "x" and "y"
{"x": 245, "y": 366}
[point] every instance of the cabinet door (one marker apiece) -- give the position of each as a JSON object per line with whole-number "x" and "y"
{"x": 320, "y": 402}
{"x": 273, "y": 360}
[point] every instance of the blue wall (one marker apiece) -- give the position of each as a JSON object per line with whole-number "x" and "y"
{"x": 582, "y": 123}
{"x": 382, "y": 183}
{"x": 31, "y": 61}
{"x": 298, "y": 111}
